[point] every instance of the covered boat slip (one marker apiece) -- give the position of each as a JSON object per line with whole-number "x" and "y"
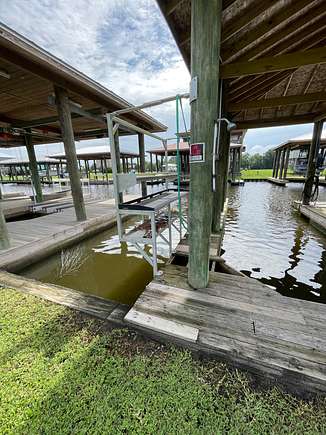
{"x": 294, "y": 154}
{"x": 241, "y": 321}
{"x": 46, "y": 101}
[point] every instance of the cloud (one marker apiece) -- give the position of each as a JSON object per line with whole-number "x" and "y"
{"x": 126, "y": 46}
{"x": 123, "y": 44}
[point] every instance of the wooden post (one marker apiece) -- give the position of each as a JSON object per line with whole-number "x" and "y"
{"x": 205, "y": 53}
{"x": 67, "y": 132}
{"x": 141, "y": 145}
{"x": 222, "y": 166}
{"x": 4, "y": 236}
{"x": 33, "y": 166}
{"x": 282, "y": 163}
{"x": 286, "y": 164}
{"x": 278, "y": 155}
{"x": 274, "y": 164}
{"x": 156, "y": 160}
{"x": 151, "y": 159}
{"x": 312, "y": 159}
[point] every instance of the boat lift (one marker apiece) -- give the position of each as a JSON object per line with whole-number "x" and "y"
{"x": 155, "y": 209}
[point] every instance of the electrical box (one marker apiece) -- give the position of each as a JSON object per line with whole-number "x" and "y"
{"x": 197, "y": 152}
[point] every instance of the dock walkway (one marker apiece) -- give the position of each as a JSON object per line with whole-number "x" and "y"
{"x": 34, "y": 239}
{"x": 239, "y": 320}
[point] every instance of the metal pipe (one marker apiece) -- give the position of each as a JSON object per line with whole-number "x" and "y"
{"x": 134, "y": 127}
{"x": 149, "y": 104}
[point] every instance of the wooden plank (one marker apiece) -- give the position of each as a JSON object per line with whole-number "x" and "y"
{"x": 162, "y": 325}
{"x": 278, "y": 101}
{"x": 93, "y": 305}
{"x": 276, "y": 122}
{"x": 274, "y": 63}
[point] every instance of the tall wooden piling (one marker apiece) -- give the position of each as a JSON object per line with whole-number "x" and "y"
{"x": 35, "y": 176}
{"x": 4, "y": 236}
{"x": 63, "y": 108}
{"x": 205, "y": 49}
{"x": 141, "y": 145}
{"x": 286, "y": 164}
{"x": 312, "y": 160}
{"x": 282, "y": 163}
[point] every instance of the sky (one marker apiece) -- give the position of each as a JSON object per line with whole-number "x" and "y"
{"x": 127, "y": 47}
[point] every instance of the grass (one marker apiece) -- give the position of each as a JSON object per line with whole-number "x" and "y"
{"x": 253, "y": 174}
{"x": 66, "y": 373}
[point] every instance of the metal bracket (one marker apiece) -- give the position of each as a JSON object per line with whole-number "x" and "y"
{"x": 193, "y": 89}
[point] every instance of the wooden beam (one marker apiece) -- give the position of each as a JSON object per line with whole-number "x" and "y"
{"x": 171, "y": 6}
{"x": 86, "y": 114}
{"x": 291, "y": 35}
{"x": 33, "y": 167}
{"x": 312, "y": 160}
{"x": 268, "y": 24}
{"x": 274, "y": 63}
{"x": 275, "y": 122}
{"x": 63, "y": 106}
{"x": 4, "y": 235}
{"x": 205, "y": 50}
{"x": 244, "y": 17}
{"x": 278, "y": 101}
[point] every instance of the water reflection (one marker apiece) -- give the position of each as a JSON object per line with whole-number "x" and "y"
{"x": 266, "y": 239}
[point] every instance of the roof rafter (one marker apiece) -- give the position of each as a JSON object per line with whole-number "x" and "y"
{"x": 278, "y": 101}
{"x": 274, "y": 63}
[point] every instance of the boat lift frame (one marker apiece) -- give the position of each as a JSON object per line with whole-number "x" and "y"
{"x": 151, "y": 205}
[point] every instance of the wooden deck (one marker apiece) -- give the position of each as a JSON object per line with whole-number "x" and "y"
{"x": 34, "y": 239}
{"x": 239, "y": 320}
{"x": 316, "y": 213}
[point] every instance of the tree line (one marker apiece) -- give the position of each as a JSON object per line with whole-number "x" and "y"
{"x": 257, "y": 161}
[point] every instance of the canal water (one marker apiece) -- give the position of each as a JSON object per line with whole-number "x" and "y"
{"x": 264, "y": 238}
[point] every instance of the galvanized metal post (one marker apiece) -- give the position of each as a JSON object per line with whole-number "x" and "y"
{"x": 205, "y": 50}
{"x": 4, "y": 235}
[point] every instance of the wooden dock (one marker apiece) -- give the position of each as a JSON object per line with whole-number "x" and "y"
{"x": 316, "y": 213}
{"x": 34, "y": 239}
{"x": 239, "y": 320}
{"x": 278, "y": 181}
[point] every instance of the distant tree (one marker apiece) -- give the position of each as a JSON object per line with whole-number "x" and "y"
{"x": 257, "y": 161}
{"x": 268, "y": 159}
{"x": 245, "y": 161}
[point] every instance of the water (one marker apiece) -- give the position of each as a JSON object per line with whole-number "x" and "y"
{"x": 266, "y": 239}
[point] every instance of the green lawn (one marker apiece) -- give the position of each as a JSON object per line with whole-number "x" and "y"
{"x": 64, "y": 373}
{"x": 252, "y": 174}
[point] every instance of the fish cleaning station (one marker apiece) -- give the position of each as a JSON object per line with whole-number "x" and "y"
{"x": 253, "y": 64}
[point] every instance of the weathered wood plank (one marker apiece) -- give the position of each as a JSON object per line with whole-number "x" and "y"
{"x": 162, "y": 325}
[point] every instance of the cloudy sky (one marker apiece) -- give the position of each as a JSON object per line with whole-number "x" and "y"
{"x": 123, "y": 44}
